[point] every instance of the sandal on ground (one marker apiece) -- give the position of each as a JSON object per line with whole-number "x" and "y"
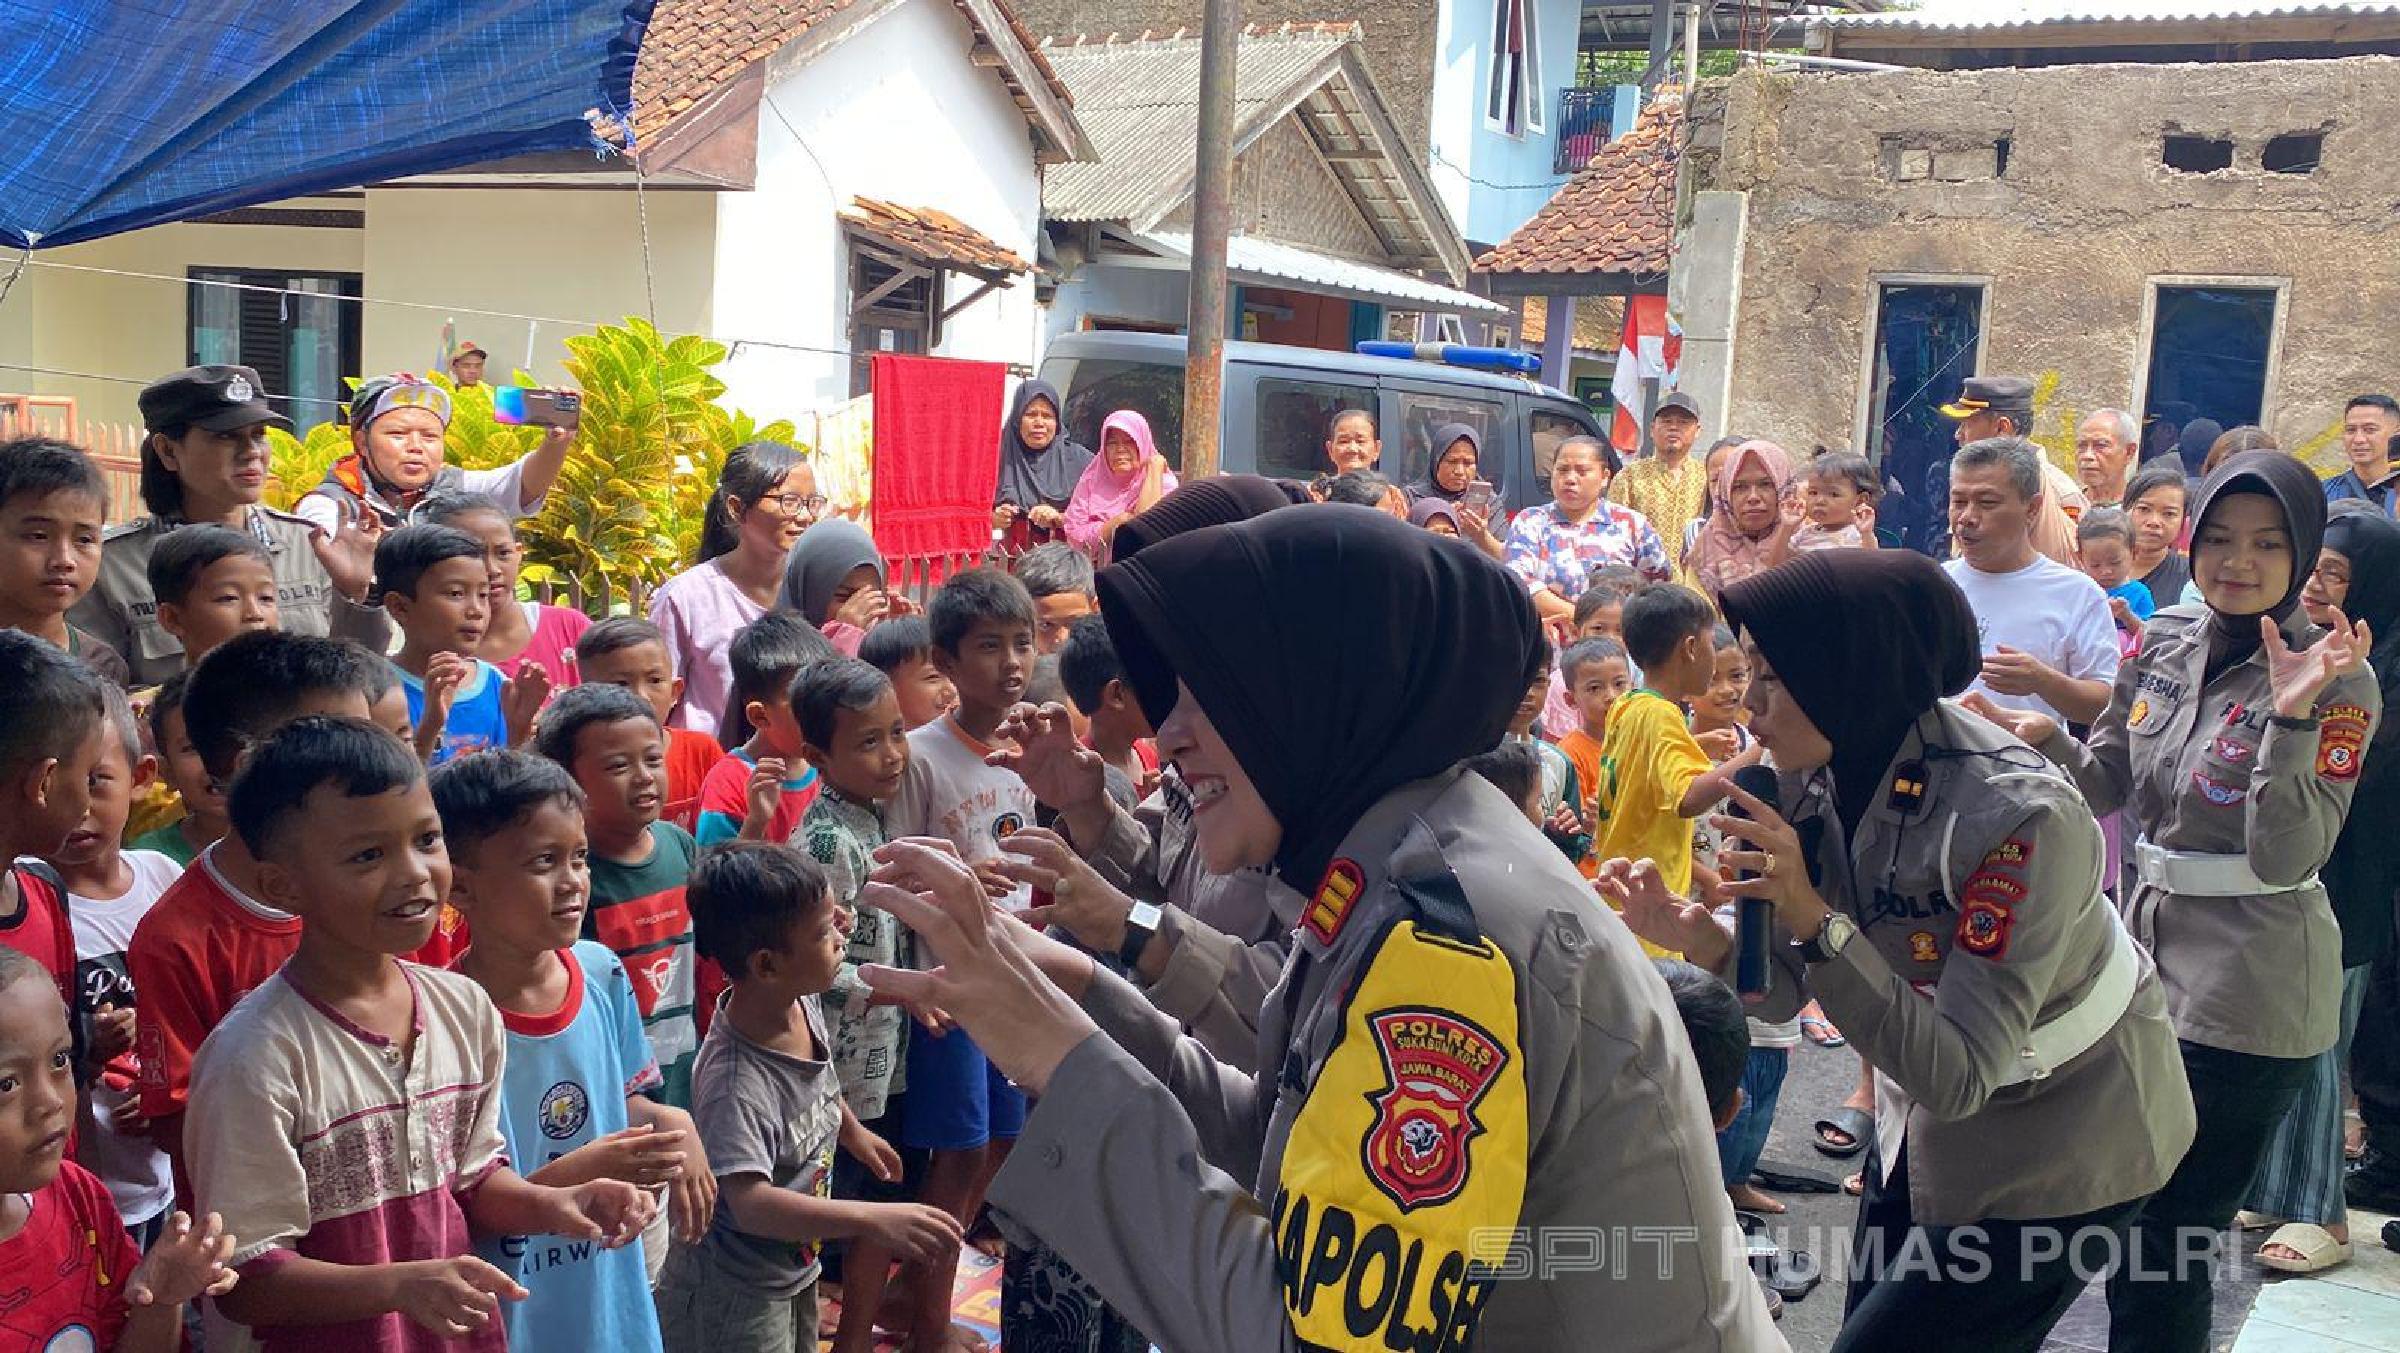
{"x": 2247, "y": 1220}
{"x": 1853, "y": 1123}
{"x": 1819, "y": 1030}
{"x": 1792, "y": 1179}
{"x": 1856, "y": 1184}
{"x": 1791, "y": 1274}
{"x": 2315, "y": 1245}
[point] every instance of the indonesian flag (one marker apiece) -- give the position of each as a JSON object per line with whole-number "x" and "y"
{"x": 1652, "y": 349}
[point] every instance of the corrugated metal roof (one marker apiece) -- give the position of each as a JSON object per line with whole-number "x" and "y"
{"x": 1963, "y": 15}
{"x": 1254, "y": 261}
{"x": 1139, "y": 101}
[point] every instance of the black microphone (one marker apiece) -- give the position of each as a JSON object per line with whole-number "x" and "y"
{"x": 1754, "y": 918}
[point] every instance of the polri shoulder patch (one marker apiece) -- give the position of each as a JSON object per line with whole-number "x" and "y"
{"x": 2341, "y": 742}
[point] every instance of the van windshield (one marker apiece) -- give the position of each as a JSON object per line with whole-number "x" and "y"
{"x": 1097, "y": 387}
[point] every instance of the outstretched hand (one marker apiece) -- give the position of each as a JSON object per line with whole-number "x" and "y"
{"x": 2031, "y": 727}
{"x": 1046, "y": 755}
{"x": 1659, "y": 914}
{"x": 2298, "y": 678}
{"x": 985, "y": 980}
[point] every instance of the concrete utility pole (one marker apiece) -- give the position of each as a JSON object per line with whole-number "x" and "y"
{"x": 1212, "y": 209}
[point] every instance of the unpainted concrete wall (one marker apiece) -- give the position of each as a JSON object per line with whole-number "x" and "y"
{"x": 1283, "y": 189}
{"x": 2070, "y": 232}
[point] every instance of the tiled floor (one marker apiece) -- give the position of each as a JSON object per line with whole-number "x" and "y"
{"x": 2354, "y": 1307}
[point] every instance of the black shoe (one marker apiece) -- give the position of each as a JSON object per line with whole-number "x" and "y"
{"x": 2391, "y": 1235}
{"x": 2375, "y": 1186}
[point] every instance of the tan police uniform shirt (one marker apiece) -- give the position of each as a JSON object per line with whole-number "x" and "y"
{"x": 1975, "y": 889}
{"x": 121, "y": 611}
{"x": 2198, "y": 766}
{"x": 1468, "y": 1058}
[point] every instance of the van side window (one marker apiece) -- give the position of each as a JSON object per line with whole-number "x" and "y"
{"x": 1408, "y": 458}
{"x": 1294, "y": 418}
{"x": 1549, "y": 429}
{"x": 1151, "y": 389}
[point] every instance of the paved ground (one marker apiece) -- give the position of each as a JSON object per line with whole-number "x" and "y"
{"x": 2359, "y": 1304}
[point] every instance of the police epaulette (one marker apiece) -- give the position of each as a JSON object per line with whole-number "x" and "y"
{"x": 1441, "y": 906}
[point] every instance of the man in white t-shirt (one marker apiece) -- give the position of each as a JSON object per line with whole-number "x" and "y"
{"x": 2048, "y": 641}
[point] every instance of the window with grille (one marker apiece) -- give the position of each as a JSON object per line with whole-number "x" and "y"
{"x": 299, "y": 331}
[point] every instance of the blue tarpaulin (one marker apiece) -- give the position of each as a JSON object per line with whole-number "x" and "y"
{"x": 119, "y": 114}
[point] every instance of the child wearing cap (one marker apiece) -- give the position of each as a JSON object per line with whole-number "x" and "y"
{"x": 396, "y": 428}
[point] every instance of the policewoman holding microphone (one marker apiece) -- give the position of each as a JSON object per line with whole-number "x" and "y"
{"x": 2233, "y": 744}
{"x": 1477, "y": 1123}
{"x": 1937, "y": 886}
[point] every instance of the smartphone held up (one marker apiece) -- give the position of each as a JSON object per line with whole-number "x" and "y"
{"x": 526, "y": 406}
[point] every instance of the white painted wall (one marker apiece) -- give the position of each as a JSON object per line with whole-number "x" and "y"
{"x": 892, "y": 111}
{"x": 570, "y": 253}
{"x": 134, "y": 328}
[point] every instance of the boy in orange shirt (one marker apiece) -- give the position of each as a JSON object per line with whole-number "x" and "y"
{"x": 1654, "y": 778}
{"x": 1597, "y": 673}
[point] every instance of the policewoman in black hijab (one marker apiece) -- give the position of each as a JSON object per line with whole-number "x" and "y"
{"x": 2233, "y": 743}
{"x": 1466, "y": 1065}
{"x": 1937, "y": 887}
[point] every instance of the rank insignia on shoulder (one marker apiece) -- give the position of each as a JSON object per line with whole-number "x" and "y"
{"x": 2341, "y": 742}
{"x": 1908, "y": 787}
{"x": 1331, "y": 904}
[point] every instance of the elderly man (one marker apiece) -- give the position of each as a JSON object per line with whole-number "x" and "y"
{"x": 2105, "y": 447}
{"x": 2368, "y": 426}
{"x": 2048, "y": 641}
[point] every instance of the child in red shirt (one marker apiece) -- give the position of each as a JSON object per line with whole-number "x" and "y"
{"x": 60, "y": 1236}
{"x": 762, "y": 788}
{"x": 53, "y": 725}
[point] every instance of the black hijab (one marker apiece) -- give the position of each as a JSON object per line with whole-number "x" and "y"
{"x": 1445, "y": 437}
{"x": 1041, "y": 478}
{"x": 2295, "y": 489}
{"x": 2371, "y": 542}
{"x": 1867, "y": 641}
{"x": 1328, "y": 708}
{"x": 1203, "y": 502}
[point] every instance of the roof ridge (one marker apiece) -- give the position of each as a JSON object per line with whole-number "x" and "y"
{"x": 1297, "y": 31}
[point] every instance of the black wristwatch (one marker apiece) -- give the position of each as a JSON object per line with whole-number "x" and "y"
{"x": 1140, "y": 924}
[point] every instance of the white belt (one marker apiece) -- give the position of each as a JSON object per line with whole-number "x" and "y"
{"x": 2189, "y": 873}
{"x": 2069, "y": 1034}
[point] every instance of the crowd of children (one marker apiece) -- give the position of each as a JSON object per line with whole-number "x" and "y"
{"x": 461, "y": 994}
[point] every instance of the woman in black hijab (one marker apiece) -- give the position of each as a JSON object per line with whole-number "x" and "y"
{"x": 2300, "y": 1181}
{"x": 1039, "y": 464}
{"x": 1936, "y": 886}
{"x": 2233, "y": 743}
{"x": 1461, "y": 1040}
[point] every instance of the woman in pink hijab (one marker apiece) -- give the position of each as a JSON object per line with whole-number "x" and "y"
{"x": 1124, "y": 479}
{"x": 1747, "y": 531}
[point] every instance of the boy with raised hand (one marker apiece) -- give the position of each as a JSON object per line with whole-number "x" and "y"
{"x": 1654, "y": 776}
{"x": 53, "y": 729}
{"x": 79, "y": 1280}
{"x": 212, "y": 937}
{"x": 345, "y": 1117}
{"x": 575, "y": 1102}
{"x": 53, "y": 503}
{"x": 769, "y": 1104}
{"x": 959, "y": 1107}
{"x": 432, "y": 581}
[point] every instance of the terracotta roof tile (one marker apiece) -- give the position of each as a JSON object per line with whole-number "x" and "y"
{"x": 1616, "y": 216}
{"x": 694, "y": 46}
{"x": 934, "y": 235}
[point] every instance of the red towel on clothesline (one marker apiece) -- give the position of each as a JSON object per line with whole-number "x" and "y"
{"x": 937, "y": 460}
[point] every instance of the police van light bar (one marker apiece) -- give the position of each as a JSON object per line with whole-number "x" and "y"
{"x": 1452, "y": 354}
